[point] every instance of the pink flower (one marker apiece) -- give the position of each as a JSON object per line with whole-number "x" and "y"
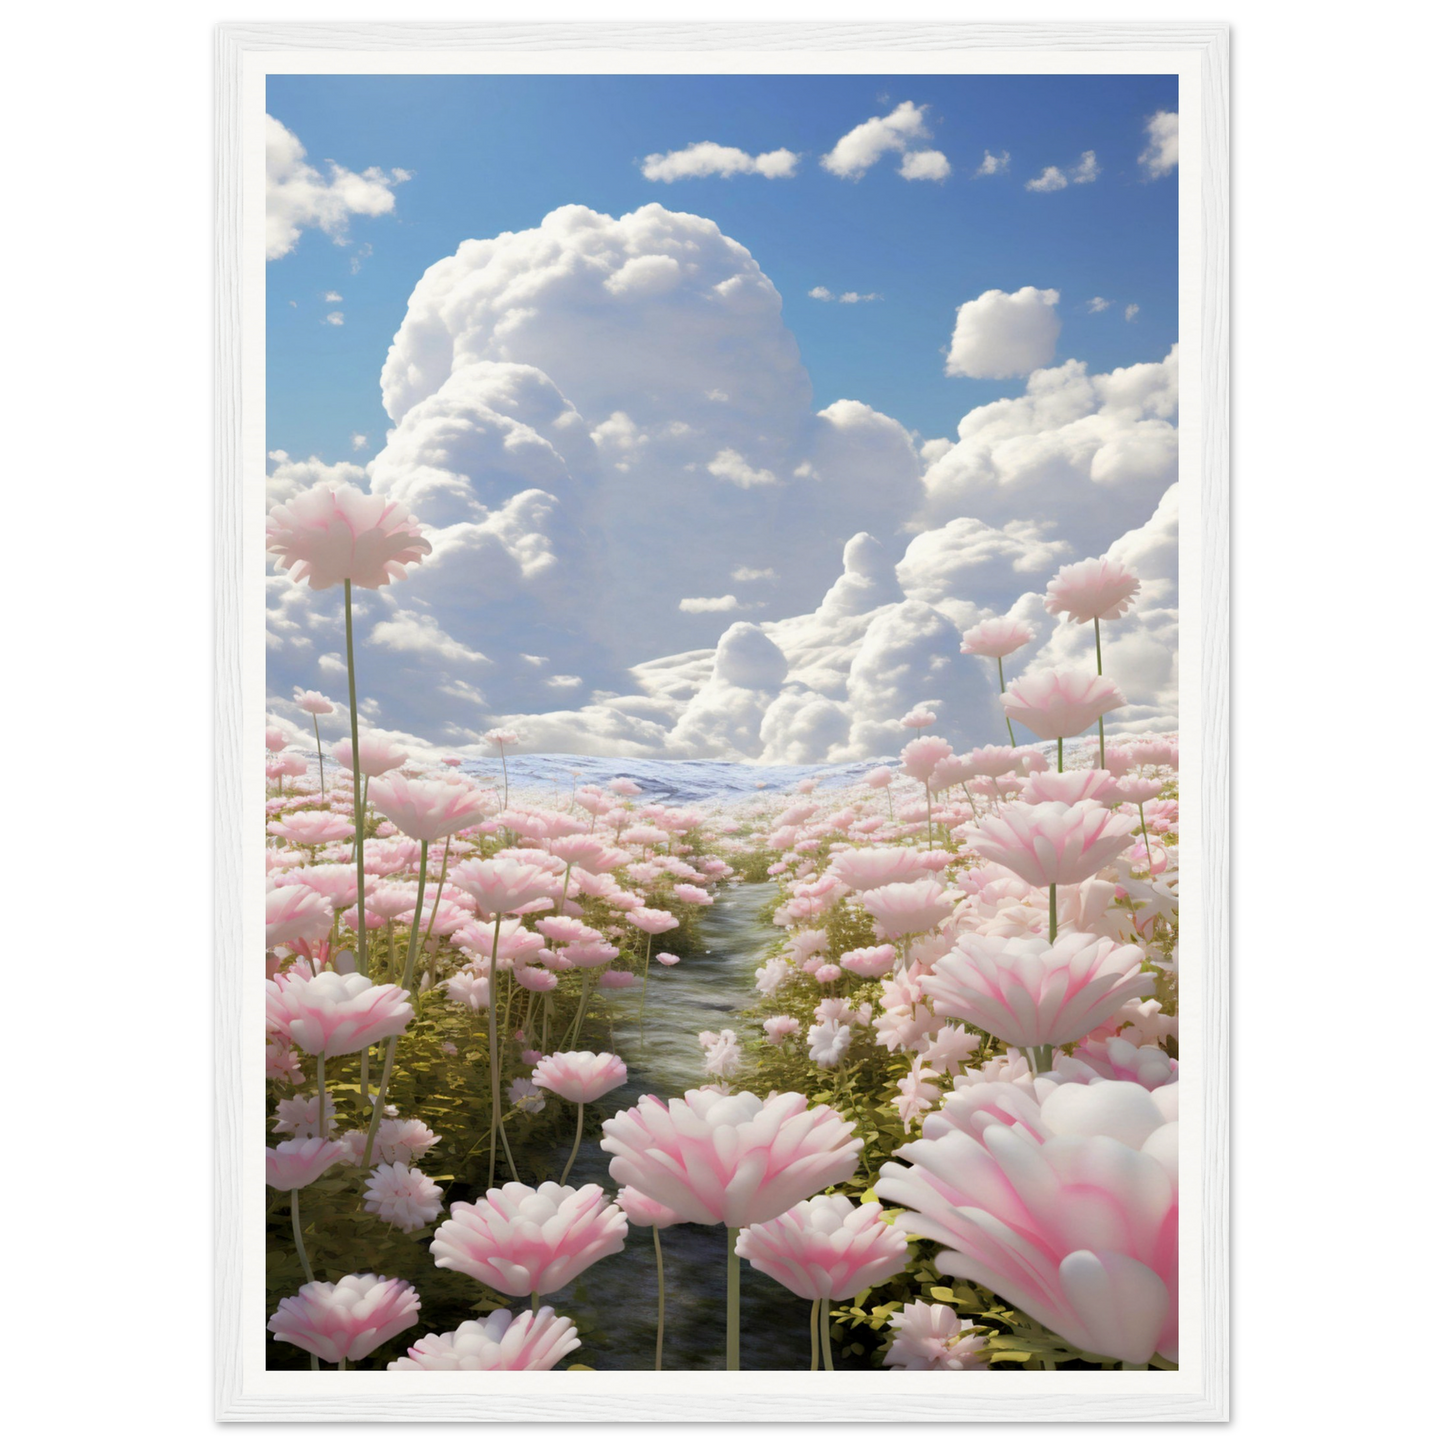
{"x": 327, "y": 534}
{"x": 348, "y": 1319}
{"x": 1028, "y": 992}
{"x": 1096, "y": 587}
{"x": 1117, "y": 1058}
{"x": 310, "y": 829}
{"x": 996, "y": 637}
{"x": 314, "y": 703}
{"x": 920, "y": 718}
{"x": 294, "y": 914}
{"x": 334, "y": 1013}
{"x": 617, "y": 978}
{"x": 923, "y": 755}
{"x": 1058, "y": 702}
{"x": 916, "y": 1095}
{"x": 865, "y": 868}
{"x": 1048, "y": 843}
{"x": 826, "y": 1247}
{"x": 499, "y": 1342}
{"x": 427, "y": 811}
{"x": 930, "y": 1337}
{"x": 402, "y": 1197}
{"x": 295, "y": 1163}
{"x": 652, "y": 920}
{"x": 521, "y": 1241}
{"x": 1076, "y": 786}
{"x": 878, "y": 777}
{"x": 378, "y": 755}
{"x": 729, "y": 1159}
{"x": 275, "y": 739}
{"x": 580, "y": 1077}
{"x": 471, "y": 990}
{"x": 991, "y": 761}
{"x": 666, "y": 959}
{"x": 828, "y": 1043}
{"x": 870, "y": 962}
{"x": 779, "y": 1027}
{"x": 398, "y": 1141}
{"x": 902, "y": 908}
{"x": 504, "y": 885}
{"x": 1078, "y": 1227}
{"x": 644, "y": 1212}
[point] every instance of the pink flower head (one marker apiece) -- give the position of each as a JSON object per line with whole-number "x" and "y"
{"x": 582, "y": 1076}
{"x": 923, "y": 755}
{"x": 617, "y": 978}
{"x": 878, "y": 777}
{"x": 314, "y": 703}
{"x": 1137, "y": 790}
{"x": 1074, "y": 1221}
{"x": 729, "y": 1159}
{"x": 1117, "y": 1058}
{"x": 520, "y": 1240}
{"x": 870, "y": 962}
{"x": 901, "y": 908}
{"x": 310, "y": 829}
{"x": 1075, "y": 786}
{"x": 996, "y": 637}
{"x": 779, "y": 1027}
{"x": 294, "y": 914}
{"x": 295, "y": 1163}
{"x": 471, "y": 990}
{"x": 652, "y": 920}
{"x": 1060, "y": 702}
{"x": 919, "y": 717}
{"x": 378, "y": 755}
{"x": 346, "y": 1320}
{"x": 667, "y": 959}
{"x": 1028, "y": 992}
{"x": 826, "y": 1247}
{"x": 644, "y": 1212}
{"x": 328, "y": 534}
{"x": 930, "y": 1337}
{"x": 1051, "y": 842}
{"x": 1096, "y": 587}
{"x": 865, "y": 868}
{"x": 275, "y": 739}
{"x": 991, "y": 761}
{"x": 402, "y": 1197}
{"x": 334, "y": 1013}
{"x": 427, "y": 811}
{"x": 504, "y": 885}
{"x": 529, "y": 1341}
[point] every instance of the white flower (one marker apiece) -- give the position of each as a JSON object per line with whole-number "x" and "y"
{"x": 722, "y": 1054}
{"x": 828, "y": 1042}
{"x": 525, "y": 1095}
{"x": 402, "y": 1196}
{"x": 926, "y": 1337}
{"x": 771, "y": 976}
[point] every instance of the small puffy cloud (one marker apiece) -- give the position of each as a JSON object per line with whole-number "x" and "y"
{"x": 925, "y": 166}
{"x": 564, "y": 681}
{"x": 752, "y": 574}
{"x": 1131, "y": 311}
{"x": 709, "y": 604}
{"x": 1099, "y": 303}
{"x": 1087, "y": 169}
{"x": 332, "y": 296}
{"x": 334, "y": 318}
{"x": 865, "y": 145}
{"x": 1051, "y": 178}
{"x": 1161, "y": 154}
{"x": 821, "y": 293}
{"x": 848, "y": 298}
{"x": 732, "y": 467}
{"x": 707, "y": 158}
{"x": 998, "y": 335}
{"x": 299, "y": 197}
{"x": 992, "y": 165}
{"x": 358, "y": 440}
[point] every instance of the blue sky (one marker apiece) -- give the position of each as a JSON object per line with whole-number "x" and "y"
{"x": 491, "y": 154}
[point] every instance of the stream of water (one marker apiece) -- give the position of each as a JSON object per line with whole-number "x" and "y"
{"x": 614, "y": 1303}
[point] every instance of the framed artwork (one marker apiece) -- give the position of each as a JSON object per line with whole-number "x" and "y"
{"x": 722, "y": 738}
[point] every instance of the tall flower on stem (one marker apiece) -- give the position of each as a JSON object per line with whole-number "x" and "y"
{"x": 346, "y": 1320}
{"x": 327, "y": 535}
{"x": 997, "y": 638}
{"x": 1059, "y": 703}
{"x": 649, "y": 922}
{"x": 581, "y": 1078}
{"x": 649, "y": 1214}
{"x": 315, "y": 704}
{"x": 1098, "y": 588}
{"x": 290, "y": 1167}
{"x": 502, "y": 739}
{"x": 730, "y": 1159}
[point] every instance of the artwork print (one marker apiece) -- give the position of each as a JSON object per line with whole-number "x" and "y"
{"x": 723, "y": 806}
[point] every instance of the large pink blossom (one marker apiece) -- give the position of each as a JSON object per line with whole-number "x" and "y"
{"x": 378, "y": 754}
{"x": 996, "y": 637}
{"x": 402, "y": 1196}
{"x": 826, "y": 1247}
{"x": 327, "y": 534}
{"x": 522, "y": 1241}
{"x": 310, "y": 829}
{"x": 729, "y": 1159}
{"x": 348, "y": 1319}
{"x": 1028, "y": 992}
{"x": 1075, "y": 786}
{"x": 922, "y": 755}
{"x": 334, "y": 1013}
{"x": 1074, "y": 1221}
{"x": 295, "y": 1163}
{"x": 866, "y": 868}
{"x": 1060, "y": 702}
{"x": 652, "y": 920}
{"x": 900, "y": 908}
{"x": 503, "y": 885}
{"x": 294, "y": 914}
{"x": 1096, "y": 587}
{"x": 502, "y": 1341}
{"x": 1048, "y": 843}
{"x": 644, "y": 1212}
{"x": 427, "y": 810}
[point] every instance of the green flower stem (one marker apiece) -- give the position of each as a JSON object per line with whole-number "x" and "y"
{"x": 576, "y": 1029}
{"x": 1041, "y": 1058}
{"x": 536, "y": 1302}
{"x": 341, "y": 1363}
{"x": 320, "y": 761}
{"x": 825, "y": 1333}
{"x": 358, "y": 813}
{"x": 494, "y": 1063}
{"x": 296, "y": 1235}
{"x": 1099, "y": 655}
{"x": 1053, "y": 911}
{"x": 813, "y": 1334}
{"x": 323, "y": 1127}
{"x": 437, "y": 901}
{"x": 661, "y": 1296}
{"x": 576, "y": 1145}
{"x": 390, "y": 1058}
{"x": 734, "y": 1305}
{"x": 1148, "y": 854}
{"x": 1002, "y": 689}
{"x": 1061, "y": 755}
{"x": 642, "y": 1011}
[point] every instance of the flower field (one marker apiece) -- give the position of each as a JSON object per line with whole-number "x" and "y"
{"x": 934, "y": 1129}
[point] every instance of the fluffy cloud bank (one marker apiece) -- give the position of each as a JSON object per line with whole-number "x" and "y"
{"x": 899, "y": 131}
{"x": 299, "y": 197}
{"x": 998, "y": 334}
{"x": 609, "y": 434}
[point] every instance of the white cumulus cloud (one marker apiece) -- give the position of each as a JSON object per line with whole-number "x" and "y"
{"x": 866, "y": 144}
{"x": 1000, "y": 334}
{"x": 1161, "y": 154}
{"x": 1051, "y": 178}
{"x": 707, "y": 158}
{"x": 925, "y": 166}
{"x": 708, "y": 604}
{"x": 992, "y": 165}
